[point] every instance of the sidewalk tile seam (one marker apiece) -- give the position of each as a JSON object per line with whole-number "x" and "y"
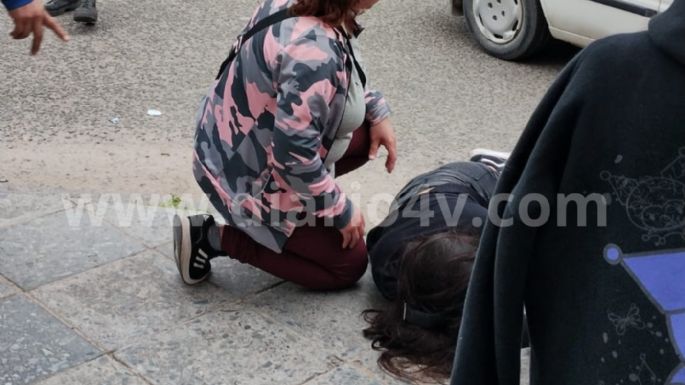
{"x": 13, "y": 286}
{"x": 332, "y": 360}
{"x": 73, "y": 367}
{"x": 68, "y": 327}
{"x": 136, "y": 237}
{"x": 24, "y": 219}
{"x": 129, "y": 368}
{"x": 333, "y": 353}
{"x": 319, "y": 375}
{"x": 66, "y": 323}
{"x": 74, "y": 275}
{"x": 246, "y": 297}
{"x": 92, "y": 341}
{"x": 249, "y": 296}
{"x": 240, "y": 300}
{"x": 357, "y": 364}
{"x": 230, "y": 306}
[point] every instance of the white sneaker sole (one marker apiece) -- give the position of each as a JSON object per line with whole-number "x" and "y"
{"x": 182, "y": 249}
{"x": 486, "y": 152}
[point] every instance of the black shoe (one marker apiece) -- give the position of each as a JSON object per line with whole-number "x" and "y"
{"x": 86, "y": 12}
{"x": 192, "y": 250}
{"x": 58, "y": 7}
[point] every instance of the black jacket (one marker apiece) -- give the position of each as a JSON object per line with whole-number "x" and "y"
{"x": 605, "y": 304}
{"x": 387, "y": 242}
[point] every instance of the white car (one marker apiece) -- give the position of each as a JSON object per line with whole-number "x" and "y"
{"x": 516, "y": 29}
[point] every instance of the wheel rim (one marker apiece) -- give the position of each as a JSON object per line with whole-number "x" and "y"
{"x": 498, "y": 20}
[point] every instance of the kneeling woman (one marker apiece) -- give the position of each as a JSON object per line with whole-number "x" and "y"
{"x": 289, "y": 111}
{"x": 421, "y": 259}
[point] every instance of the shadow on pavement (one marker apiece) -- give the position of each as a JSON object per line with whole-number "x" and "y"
{"x": 555, "y": 53}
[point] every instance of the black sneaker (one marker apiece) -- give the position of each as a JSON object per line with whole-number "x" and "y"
{"x": 192, "y": 250}
{"x": 58, "y": 7}
{"x": 494, "y": 159}
{"x": 86, "y": 12}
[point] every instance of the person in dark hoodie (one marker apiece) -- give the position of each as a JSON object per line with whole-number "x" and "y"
{"x": 603, "y": 285}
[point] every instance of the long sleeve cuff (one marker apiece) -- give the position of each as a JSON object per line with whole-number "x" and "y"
{"x": 343, "y": 219}
{"x": 14, "y": 4}
{"x": 377, "y": 108}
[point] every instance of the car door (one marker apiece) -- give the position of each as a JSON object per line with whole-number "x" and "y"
{"x": 583, "y": 21}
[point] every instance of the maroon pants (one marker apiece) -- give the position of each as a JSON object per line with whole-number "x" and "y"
{"x": 313, "y": 256}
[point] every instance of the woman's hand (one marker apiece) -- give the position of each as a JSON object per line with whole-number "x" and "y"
{"x": 383, "y": 134}
{"x": 354, "y": 231}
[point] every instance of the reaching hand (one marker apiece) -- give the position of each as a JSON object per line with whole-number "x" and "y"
{"x": 383, "y": 134}
{"x": 354, "y": 231}
{"x": 31, "y": 18}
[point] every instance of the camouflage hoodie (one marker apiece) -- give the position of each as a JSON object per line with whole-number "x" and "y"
{"x": 268, "y": 122}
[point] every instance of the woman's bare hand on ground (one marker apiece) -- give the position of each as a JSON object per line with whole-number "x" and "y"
{"x": 354, "y": 231}
{"x": 31, "y": 19}
{"x": 382, "y": 134}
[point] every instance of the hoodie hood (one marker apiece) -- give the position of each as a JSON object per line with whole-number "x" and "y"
{"x": 668, "y": 30}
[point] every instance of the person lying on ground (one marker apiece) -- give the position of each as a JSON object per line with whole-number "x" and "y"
{"x": 421, "y": 259}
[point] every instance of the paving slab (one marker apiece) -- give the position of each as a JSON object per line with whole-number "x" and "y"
{"x": 49, "y": 248}
{"x": 149, "y": 217}
{"x": 151, "y": 224}
{"x": 118, "y": 303}
{"x": 34, "y": 345}
{"x": 167, "y": 249}
{"x": 332, "y": 317}
{"x": 103, "y": 371}
{"x": 6, "y": 288}
{"x": 18, "y": 207}
{"x": 344, "y": 375}
{"x": 229, "y": 347}
{"x": 240, "y": 278}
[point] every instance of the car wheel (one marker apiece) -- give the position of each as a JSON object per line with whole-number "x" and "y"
{"x": 507, "y": 29}
{"x": 458, "y": 7}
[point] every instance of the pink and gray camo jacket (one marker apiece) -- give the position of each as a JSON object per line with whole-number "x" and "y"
{"x": 268, "y": 122}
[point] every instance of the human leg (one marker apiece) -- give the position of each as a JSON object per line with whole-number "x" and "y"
{"x": 312, "y": 257}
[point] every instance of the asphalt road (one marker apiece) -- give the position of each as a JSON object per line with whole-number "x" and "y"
{"x": 447, "y": 95}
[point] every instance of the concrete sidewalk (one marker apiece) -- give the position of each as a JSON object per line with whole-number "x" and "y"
{"x": 96, "y": 299}
{"x": 84, "y": 303}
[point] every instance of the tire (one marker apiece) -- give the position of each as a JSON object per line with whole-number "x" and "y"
{"x": 507, "y": 29}
{"x": 457, "y": 7}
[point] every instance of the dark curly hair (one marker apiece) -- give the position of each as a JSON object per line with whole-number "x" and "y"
{"x": 333, "y": 12}
{"x": 433, "y": 277}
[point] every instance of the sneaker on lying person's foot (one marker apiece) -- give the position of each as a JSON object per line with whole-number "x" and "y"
{"x": 86, "y": 12}
{"x": 492, "y": 158}
{"x": 58, "y": 7}
{"x": 192, "y": 249}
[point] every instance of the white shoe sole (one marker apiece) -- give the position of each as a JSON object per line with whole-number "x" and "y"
{"x": 183, "y": 248}
{"x": 486, "y": 152}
